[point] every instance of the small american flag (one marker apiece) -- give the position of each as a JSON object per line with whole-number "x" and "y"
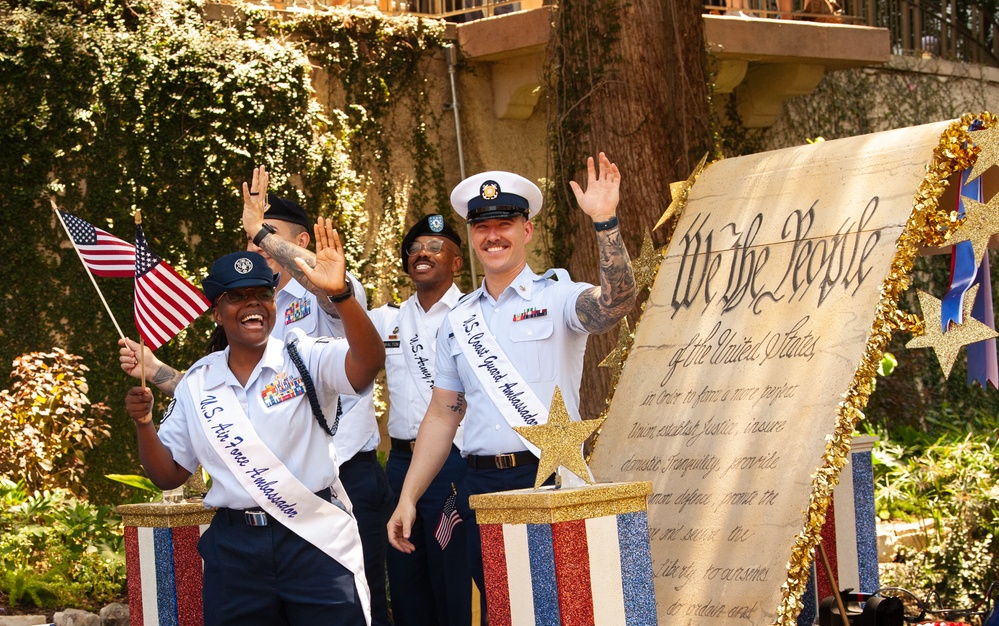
{"x": 449, "y": 520}
{"x": 165, "y": 303}
{"x": 102, "y": 252}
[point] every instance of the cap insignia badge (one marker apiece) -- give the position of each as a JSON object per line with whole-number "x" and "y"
{"x": 436, "y": 223}
{"x": 243, "y": 265}
{"x": 490, "y": 190}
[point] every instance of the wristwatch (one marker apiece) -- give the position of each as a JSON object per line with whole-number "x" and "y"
{"x": 265, "y": 229}
{"x": 341, "y": 297}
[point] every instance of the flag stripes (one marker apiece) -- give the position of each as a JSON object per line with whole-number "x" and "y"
{"x": 165, "y": 303}
{"x": 449, "y": 519}
{"x": 102, "y": 252}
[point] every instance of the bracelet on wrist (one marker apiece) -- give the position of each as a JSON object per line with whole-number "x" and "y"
{"x": 341, "y": 297}
{"x": 265, "y": 229}
{"x": 609, "y": 224}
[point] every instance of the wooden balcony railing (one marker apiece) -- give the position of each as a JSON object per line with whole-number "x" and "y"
{"x": 958, "y": 31}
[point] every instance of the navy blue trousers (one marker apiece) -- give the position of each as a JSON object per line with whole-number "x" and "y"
{"x": 430, "y": 586}
{"x": 367, "y": 487}
{"x": 269, "y": 576}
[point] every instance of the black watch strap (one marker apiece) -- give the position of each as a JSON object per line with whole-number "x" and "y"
{"x": 265, "y": 229}
{"x": 341, "y": 297}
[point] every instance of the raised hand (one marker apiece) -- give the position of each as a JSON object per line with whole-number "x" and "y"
{"x": 255, "y": 200}
{"x": 330, "y": 272}
{"x": 602, "y": 194}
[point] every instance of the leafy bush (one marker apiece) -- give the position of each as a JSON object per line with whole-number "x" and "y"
{"x": 56, "y": 550}
{"x": 47, "y": 421}
{"x": 951, "y": 476}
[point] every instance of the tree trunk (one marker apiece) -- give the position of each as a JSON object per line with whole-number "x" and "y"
{"x": 628, "y": 79}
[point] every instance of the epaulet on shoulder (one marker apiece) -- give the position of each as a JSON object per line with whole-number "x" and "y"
{"x": 556, "y": 274}
{"x": 206, "y": 360}
{"x": 463, "y": 298}
{"x": 394, "y": 305}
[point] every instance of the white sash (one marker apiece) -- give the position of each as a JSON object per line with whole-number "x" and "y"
{"x": 416, "y": 353}
{"x": 274, "y": 488}
{"x": 510, "y": 393}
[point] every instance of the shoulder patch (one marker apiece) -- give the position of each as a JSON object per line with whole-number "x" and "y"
{"x": 169, "y": 410}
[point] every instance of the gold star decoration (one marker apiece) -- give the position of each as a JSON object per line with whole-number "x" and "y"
{"x": 560, "y": 441}
{"x": 647, "y": 264}
{"x": 981, "y": 221}
{"x": 988, "y": 141}
{"x": 678, "y": 193}
{"x": 615, "y": 359}
{"x": 947, "y": 344}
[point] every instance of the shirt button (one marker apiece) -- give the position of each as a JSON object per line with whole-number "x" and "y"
{"x": 497, "y": 426}
{"x": 530, "y": 332}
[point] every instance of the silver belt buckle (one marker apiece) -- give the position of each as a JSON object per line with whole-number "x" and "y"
{"x": 255, "y": 518}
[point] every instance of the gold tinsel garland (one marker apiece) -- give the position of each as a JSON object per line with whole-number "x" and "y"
{"x": 928, "y": 225}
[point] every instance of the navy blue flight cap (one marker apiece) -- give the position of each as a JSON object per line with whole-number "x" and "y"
{"x": 287, "y": 210}
{"x": 236, "y": 270}
{"x": 492, "y": 195}
{"x": 430, "y": 225}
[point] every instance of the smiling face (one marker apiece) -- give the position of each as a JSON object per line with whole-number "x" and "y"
{"x": 247, "y": 314}
{"x": 433, "y": 269}
{"x": 501, "y": 244}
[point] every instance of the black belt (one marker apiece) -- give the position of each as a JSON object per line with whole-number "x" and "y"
{"x": 403, "y": 445}
{"x": 502, "y": 461}
{"x": 259, "y": 517}
{"x": 369, "y": 455}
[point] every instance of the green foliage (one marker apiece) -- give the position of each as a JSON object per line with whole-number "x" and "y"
{"x": 47, "y": 421}
{"x": 56, "y": 550}
{"x": 108, "y": 107}
{"x": 951, "y": 477}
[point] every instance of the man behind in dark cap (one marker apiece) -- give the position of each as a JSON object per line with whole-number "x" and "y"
{"x": 431, "y": 585}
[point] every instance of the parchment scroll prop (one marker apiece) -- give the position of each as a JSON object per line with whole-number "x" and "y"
{"x": 755, "y": 353}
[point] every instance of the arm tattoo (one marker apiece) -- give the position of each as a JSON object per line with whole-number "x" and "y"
{"x": 600, "y": 308}
{"x": 165, "y": 373}
{"x": 459, "y": 403}
{"x": 284, "y": 252}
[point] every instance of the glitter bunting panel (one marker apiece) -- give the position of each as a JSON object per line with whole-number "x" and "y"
{"x": 755, "y": 354}
{"x": 567, "y": 557}
{"x": 163, "y": 565}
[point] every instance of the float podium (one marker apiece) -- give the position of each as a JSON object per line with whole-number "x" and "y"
{"x": 163, "y": 564}
{"x": 570, "y": 556}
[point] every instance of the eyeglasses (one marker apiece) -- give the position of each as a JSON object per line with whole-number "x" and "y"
{"x": 433, "y": 246}
{"x": 262, "y": 294}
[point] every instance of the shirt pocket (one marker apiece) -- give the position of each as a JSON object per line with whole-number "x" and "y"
{"x": 534, "y": 357}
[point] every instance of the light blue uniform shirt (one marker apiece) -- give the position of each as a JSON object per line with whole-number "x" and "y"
{"x": 298, "y": 308}
{"x": 287, "y": 427}
{"x": 546, "y": 349}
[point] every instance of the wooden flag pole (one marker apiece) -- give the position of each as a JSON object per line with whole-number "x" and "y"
{"x": 87, "y": 269}
{"x": 835, "y": 586}
{"x": 142, "y": 345}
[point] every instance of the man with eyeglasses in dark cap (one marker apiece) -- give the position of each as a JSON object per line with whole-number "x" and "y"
{"x": 430, "y": 586}
{"x": 283, "y": 547}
